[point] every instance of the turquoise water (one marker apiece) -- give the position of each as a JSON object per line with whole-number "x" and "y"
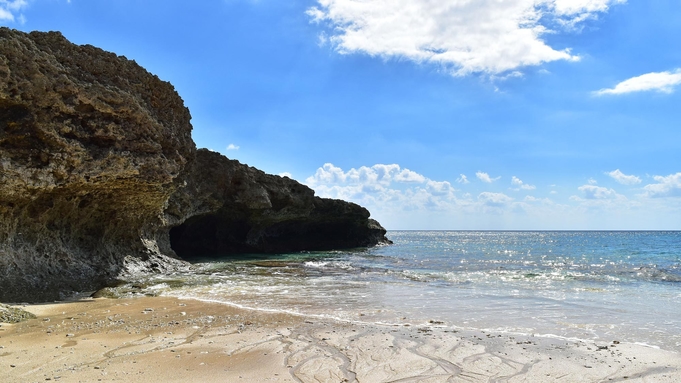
{"x": 603, "y": 286}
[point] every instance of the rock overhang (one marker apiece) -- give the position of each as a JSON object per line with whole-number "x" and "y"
{"x": 100, "y": 179}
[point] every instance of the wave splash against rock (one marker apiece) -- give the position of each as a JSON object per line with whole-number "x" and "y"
{"x": 100, "y": 179}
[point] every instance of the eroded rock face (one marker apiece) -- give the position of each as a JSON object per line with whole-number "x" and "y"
{"x": 100, "y": 179}
{"x": 229, "y": 207}
{"x": 91, "y": 146}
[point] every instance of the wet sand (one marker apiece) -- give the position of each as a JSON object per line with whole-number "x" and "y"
{"x": 158, "y": 339}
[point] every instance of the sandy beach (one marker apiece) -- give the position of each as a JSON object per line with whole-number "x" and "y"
{"x": 158, "y": 339}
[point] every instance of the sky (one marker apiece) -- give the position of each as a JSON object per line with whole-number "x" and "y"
{"x": 433, "y": 114}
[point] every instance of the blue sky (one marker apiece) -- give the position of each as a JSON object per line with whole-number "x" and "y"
{"x": 433, "y": 114}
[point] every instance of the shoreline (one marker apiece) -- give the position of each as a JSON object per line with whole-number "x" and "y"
{"x": 155, "y": 339}
{"x": 424, "y": 323}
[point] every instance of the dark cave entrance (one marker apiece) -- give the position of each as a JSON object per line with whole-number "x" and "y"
{"x": 231, "y": 233}
{"x": 209, "y": 236}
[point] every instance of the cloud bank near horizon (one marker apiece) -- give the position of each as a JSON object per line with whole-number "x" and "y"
{"x": 393, "y": 193}
{"x": 465, "y": 37}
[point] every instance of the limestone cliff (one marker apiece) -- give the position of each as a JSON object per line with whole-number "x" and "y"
{"x": 229, "y": 207}
{"x": 91, "y": 146}
{"x": 99, "y": 178}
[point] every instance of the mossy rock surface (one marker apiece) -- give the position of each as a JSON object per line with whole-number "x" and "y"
{"x": 10, "y": 314}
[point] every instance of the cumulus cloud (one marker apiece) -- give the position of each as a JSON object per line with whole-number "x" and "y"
{"x": 582, "y": 7}
{"x": 286, "y": 174}
{"x": 494, "y": 199}
{"x": 483, "y": 36}
{"x": 232, "y": 147}
{"x": 606, "y": 205}
{"x": 534, "y": 199}
{"x": 669, "y": 186}
{"x": 463, "y": 179}
{"x": 383, "y": 188}
{"x": 379, "y": 174}
{"x": 484, "y": 177}
{"x": 664, "y": 82}
{"x": 597, "y": 192}
{"x": 624, "y": 179}
{"x": 572, "y": 12}
{"x": 515, "y": 181}
{"x": 9, "y": 9}
{"x": 439, "y": 188}
{"x": 390, "y": 190}
{"x": 5, "y": 14}
{"x": 407, "y": 175}
{"x": 402, "y": 198}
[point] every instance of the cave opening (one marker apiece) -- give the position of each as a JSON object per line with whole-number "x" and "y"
{"x": 229, "y": 233}
{"x": 209, "y": 236}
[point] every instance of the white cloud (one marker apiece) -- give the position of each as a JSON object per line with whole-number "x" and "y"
{"x": 286, "y": 174}
{"x": 484, "y": 177}
{"x": 439, "y": 188}
{"x": 232, "y": 147}
{"x": 515, "y": 181}
{"x": 482, "y": 36}
{"x": 592, "y": 181}
{"x": 366, "y": 187}
{"x": 379, "y": 174}
{"x": 664, "y": 82}
{"x": 669, "y": 186}
{"x": 494, "y": 199}
{"x": 463, "y": 179}
{"x": 407, "y": 175}
{"x": 581, "y": 7}
{"x": 606, "y": 205}
{"x": 395, "y": 198}
{"x": 597, "y": 192}
{"x": 6, "y": 15}
{"x": 383, "y": 186}
{"x": 10, "y": 8}
{"x": 572, "y": 12}
{"x": 624, "y": 179}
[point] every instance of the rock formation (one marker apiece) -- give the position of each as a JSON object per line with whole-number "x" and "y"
{"x": 100, "y": 179}
{"x": 10, "y": 314}
{"x": 243, "y": 210}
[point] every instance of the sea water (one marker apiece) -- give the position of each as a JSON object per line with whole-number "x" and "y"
{"x": 596, "y": 286}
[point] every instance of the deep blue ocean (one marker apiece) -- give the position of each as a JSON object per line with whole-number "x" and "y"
{"x": 602, "y": 286}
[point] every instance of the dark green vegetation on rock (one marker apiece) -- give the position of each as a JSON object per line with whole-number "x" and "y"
{"x": 100, "y": 179}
